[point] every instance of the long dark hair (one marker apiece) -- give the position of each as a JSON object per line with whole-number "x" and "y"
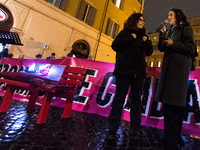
{"x": 181, "y": 19}
{"x": 131, "y": 22}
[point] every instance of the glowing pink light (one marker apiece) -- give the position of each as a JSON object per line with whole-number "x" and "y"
{"x": 44, "y": 69}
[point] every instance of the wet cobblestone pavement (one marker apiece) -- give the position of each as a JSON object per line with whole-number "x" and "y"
{"x": 82, "y": 131}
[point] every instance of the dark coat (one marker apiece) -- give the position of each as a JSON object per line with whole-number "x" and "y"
{"x": 173, "y": 82}
{"x": 131, "y": 53}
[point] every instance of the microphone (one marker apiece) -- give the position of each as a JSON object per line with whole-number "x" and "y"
{"x": 161, "y": 25}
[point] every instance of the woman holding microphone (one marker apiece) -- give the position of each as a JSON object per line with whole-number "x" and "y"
{"x": 178, "y": 47}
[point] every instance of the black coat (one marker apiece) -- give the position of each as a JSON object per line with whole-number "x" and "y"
{"x": 131, "y": 53}
{"x": 173, "y": 82}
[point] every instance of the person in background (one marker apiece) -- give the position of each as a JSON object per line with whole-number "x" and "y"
{"x": 178, "y": 47}
{"x": 38, "y": 56}
{"x": 4, "y": 53}
{"x": 52, "y": 56}
{"x": 10, "y": 55}
{"x": 131, "y": 45}
{"x": 70, "y": 54}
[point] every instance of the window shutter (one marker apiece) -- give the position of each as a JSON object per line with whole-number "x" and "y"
{"x": 92, "y": 16}
{"x": 63, "y": 5}
{"x": 121, "y": 4}
{"x": 89, "y": 14}
{"x": 116, "y": 30}
{"x": 81, "y": 11}
{"x": 109, "y": 26}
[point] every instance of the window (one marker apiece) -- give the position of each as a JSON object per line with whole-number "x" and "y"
{"x": 159, "y": 64}
{"x": 62, "y": 4}
{"x": 119, "y": 3}
{"x": 112, "y": 28}
{"x": 87, "y": 13}
{"x": 151, "y": 64}
{"x": 197, "y": 42}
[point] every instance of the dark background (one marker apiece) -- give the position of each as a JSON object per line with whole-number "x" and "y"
{"x": 156, "y": 11}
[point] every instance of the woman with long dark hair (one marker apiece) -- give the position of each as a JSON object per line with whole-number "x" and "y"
{"x": 178, "y": 47}
{"x": 131, "y": 45}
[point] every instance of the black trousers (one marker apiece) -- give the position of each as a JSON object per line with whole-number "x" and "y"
{"x": 122, "y": 87}
{"x": 173, "y": 120}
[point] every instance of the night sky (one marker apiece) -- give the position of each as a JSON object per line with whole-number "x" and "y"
{"x": 156, "y": 11}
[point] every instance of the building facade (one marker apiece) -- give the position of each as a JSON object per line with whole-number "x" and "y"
{"x": 195, "y": 24}
{"x": 155, "y": 60}
{"x": 85, "y": 27}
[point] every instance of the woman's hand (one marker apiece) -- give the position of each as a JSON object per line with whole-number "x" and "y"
{"x": 134, "y": 35}
{"x": 163, "y": 29}
{"x": 169, "y": 42}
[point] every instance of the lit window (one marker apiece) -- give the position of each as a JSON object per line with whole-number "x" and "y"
{"x": 159, "y": 64}
{"x": 112, "y": 28}
{"x": 62, "y": 4}
{"x": 87, "y": 13}
{"x": 3, "y": 15}
{"x": 152, "y": 64}
{"x": 119, "y": 3}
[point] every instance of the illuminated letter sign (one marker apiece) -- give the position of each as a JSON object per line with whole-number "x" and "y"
{"x": 3, "y": 15}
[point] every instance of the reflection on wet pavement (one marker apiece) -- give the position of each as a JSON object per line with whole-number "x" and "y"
{"x": 82, "y": 131}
